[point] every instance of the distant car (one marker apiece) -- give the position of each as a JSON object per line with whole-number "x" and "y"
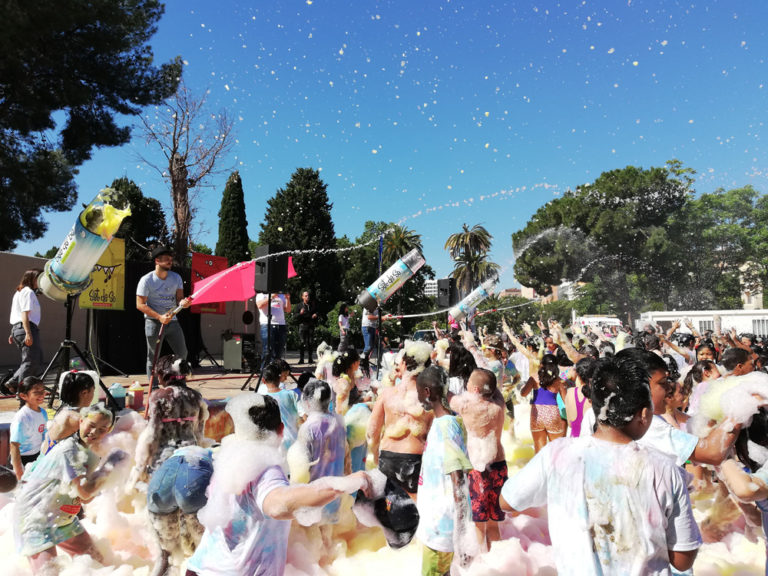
{"x": 424, "y": 335}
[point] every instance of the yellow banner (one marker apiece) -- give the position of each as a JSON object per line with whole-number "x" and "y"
{"x": 107, "y": 289}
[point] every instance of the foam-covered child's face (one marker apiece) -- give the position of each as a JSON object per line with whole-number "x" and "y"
{"x": 94, "y": 427}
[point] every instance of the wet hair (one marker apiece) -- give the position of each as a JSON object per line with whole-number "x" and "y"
{"x": 734, "y": 356}
{"x": 72, "y": 385}
{"x": 461, "y": 363}
{"x": 434, "y": 379}
{"x": 26, "y": 386}
{"x": 344, "y": 362}
{"x": 707, "y": 344}
{"x": 171, "y": 370}
{"x": 489, "y": 381}
{"x": 317, "y": 394}
{"x": 696, "y": 373}
{"x": 674, "y": 371}
{"x": 548, "y": 371}
{"x": 272, "y": 372}
{"x": 494, "y": 342}
{"x": 590, "y": 351}
{"x": 28, "y": 279}
{"x": 607, "y": 349}
{"x": 686, "y": 340}
{"x": 756, "y": 432}
{"x": 411, "y": 364}
{"x": 650, "y": 362}
{"x": 620, "y": 388}
{"x": 267, "y": 416}
{"x": 284, "y": 366}
{"x": 99, "y": 408}
{"x": 302, "y": 380}
{"x": 585, "y": 369}
{"x": 650, "y": 342}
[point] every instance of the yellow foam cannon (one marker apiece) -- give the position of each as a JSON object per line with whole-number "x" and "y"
{"x": 69, "y": 272}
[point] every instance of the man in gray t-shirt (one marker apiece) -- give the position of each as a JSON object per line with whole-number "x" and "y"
{"x": 157, "y": 294}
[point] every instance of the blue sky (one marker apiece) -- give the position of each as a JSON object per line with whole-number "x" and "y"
{"x": 487, "y": 109}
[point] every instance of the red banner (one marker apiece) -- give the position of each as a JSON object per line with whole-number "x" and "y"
{"x": 204, "y": 265}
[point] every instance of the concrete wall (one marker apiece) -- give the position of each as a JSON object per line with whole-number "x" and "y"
{"x": 53, "y": 314}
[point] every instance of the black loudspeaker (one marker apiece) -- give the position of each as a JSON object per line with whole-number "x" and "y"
{"x": 447, "y": 295}
{"x": 272, "y": 272}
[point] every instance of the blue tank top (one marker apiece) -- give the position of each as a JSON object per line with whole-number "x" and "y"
{"x": 544, "y": 397}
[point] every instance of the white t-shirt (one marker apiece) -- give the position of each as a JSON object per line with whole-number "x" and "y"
{"x": 344, "y": 322}
{"x": 445, "y": 452}
{"x": 670, "y": 440}
{"x": 25, "y": 300}
{"x": 28, "y": 429}
{"x": 251, "y": 543}
{"x": 612, "y": 508}
{"x": 278, "y": 309}
{"x": 367, "y": 322}
{"x": 160, "y": 292}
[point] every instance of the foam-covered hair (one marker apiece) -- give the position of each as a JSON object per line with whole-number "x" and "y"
{"x": 620, "y": 388}
{"x": 255, "y": 416}
{"x": 417, "y": 356}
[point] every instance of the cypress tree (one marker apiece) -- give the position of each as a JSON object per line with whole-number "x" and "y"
{"x": 233, "y": 225}
{"x": 298, "y": 217}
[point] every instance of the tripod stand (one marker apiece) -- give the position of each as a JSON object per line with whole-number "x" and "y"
{"x": 206, "y": 353}
{"x": 268, "y": 357}
{"x": 62, "y": 358}
{"x": 89, "y": 351}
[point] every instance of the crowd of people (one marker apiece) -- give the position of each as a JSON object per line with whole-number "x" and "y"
{"x": 626, "y": 428}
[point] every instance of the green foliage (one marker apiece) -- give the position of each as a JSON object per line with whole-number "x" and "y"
{"x": 469, "y": 251}
{"x": 201, "y": 248}
{"x": 88, "y": 60}
{"x": 233, "y": 225}
{"x": 619, "y": 229}
{"x": 361, "y": 269}
{"x": 525, "y": 311}
{"x": 640, "y": 240}
{"x": 145, "y": 226}
{"x": 298, "y": 217}
{"x": 48, "y": 254}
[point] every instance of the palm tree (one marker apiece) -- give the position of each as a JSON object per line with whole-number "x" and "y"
{"x": 398, "y": 243}
{"x": 469, "y": 250}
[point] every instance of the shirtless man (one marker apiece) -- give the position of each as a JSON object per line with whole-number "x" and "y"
{"x": 482, "y": 409}
{"x": 399, "y": 423}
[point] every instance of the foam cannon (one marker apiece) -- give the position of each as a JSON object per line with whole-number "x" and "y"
{"x": 68, "y": 273}
{"x": 462, "y": 309}
{"x": 391, "y": 281}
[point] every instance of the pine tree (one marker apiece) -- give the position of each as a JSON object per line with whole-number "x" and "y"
{"x": 298, "y": 217}
{"x": 233, "y": 225}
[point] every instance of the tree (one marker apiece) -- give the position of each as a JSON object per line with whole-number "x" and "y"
{"x": 146, "y": 226}
{"x": 469, "y": 250}
{"x": 619, "y": 228}
{"x": 398, "y": 241}
{"x": 86, "y": 60}
{"x": 192, "y": 141}
{"x": 298, "y": 217}
{"x": 233, "y": 225}
{"x": 361, "y": 269}
{"x": 48, "y": 254}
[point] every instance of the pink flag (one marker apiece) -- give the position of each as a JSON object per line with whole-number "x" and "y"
{"x": 291, "y": 269}
{"x": 233, "y": 284}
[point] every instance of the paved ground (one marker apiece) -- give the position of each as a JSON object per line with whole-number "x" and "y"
{"x": 212, "y": 382}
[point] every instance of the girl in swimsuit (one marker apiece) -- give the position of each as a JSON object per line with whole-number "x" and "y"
{"x": 546, "y": 423}
{"x": 577, "y": 399}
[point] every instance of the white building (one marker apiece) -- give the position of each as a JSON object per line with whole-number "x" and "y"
{"x": 430, "y": 288}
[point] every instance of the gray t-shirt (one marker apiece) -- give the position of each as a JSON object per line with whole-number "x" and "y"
{"x": 160, "y": 294}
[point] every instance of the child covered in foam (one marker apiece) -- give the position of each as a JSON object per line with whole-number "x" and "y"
{"x": 52, "y": 491}
{"x": 250, "y": 503}
{"x": 443, "y": 494}
{"x": 614, "y": 507}
{"x": 320, "y": 448}
{"x": 482, "y": 410}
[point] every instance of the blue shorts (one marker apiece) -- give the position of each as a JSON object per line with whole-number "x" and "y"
{"x": 179, "y": 484}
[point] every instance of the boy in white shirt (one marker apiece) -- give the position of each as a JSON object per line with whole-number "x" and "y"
{"x": 614, "y": 506}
